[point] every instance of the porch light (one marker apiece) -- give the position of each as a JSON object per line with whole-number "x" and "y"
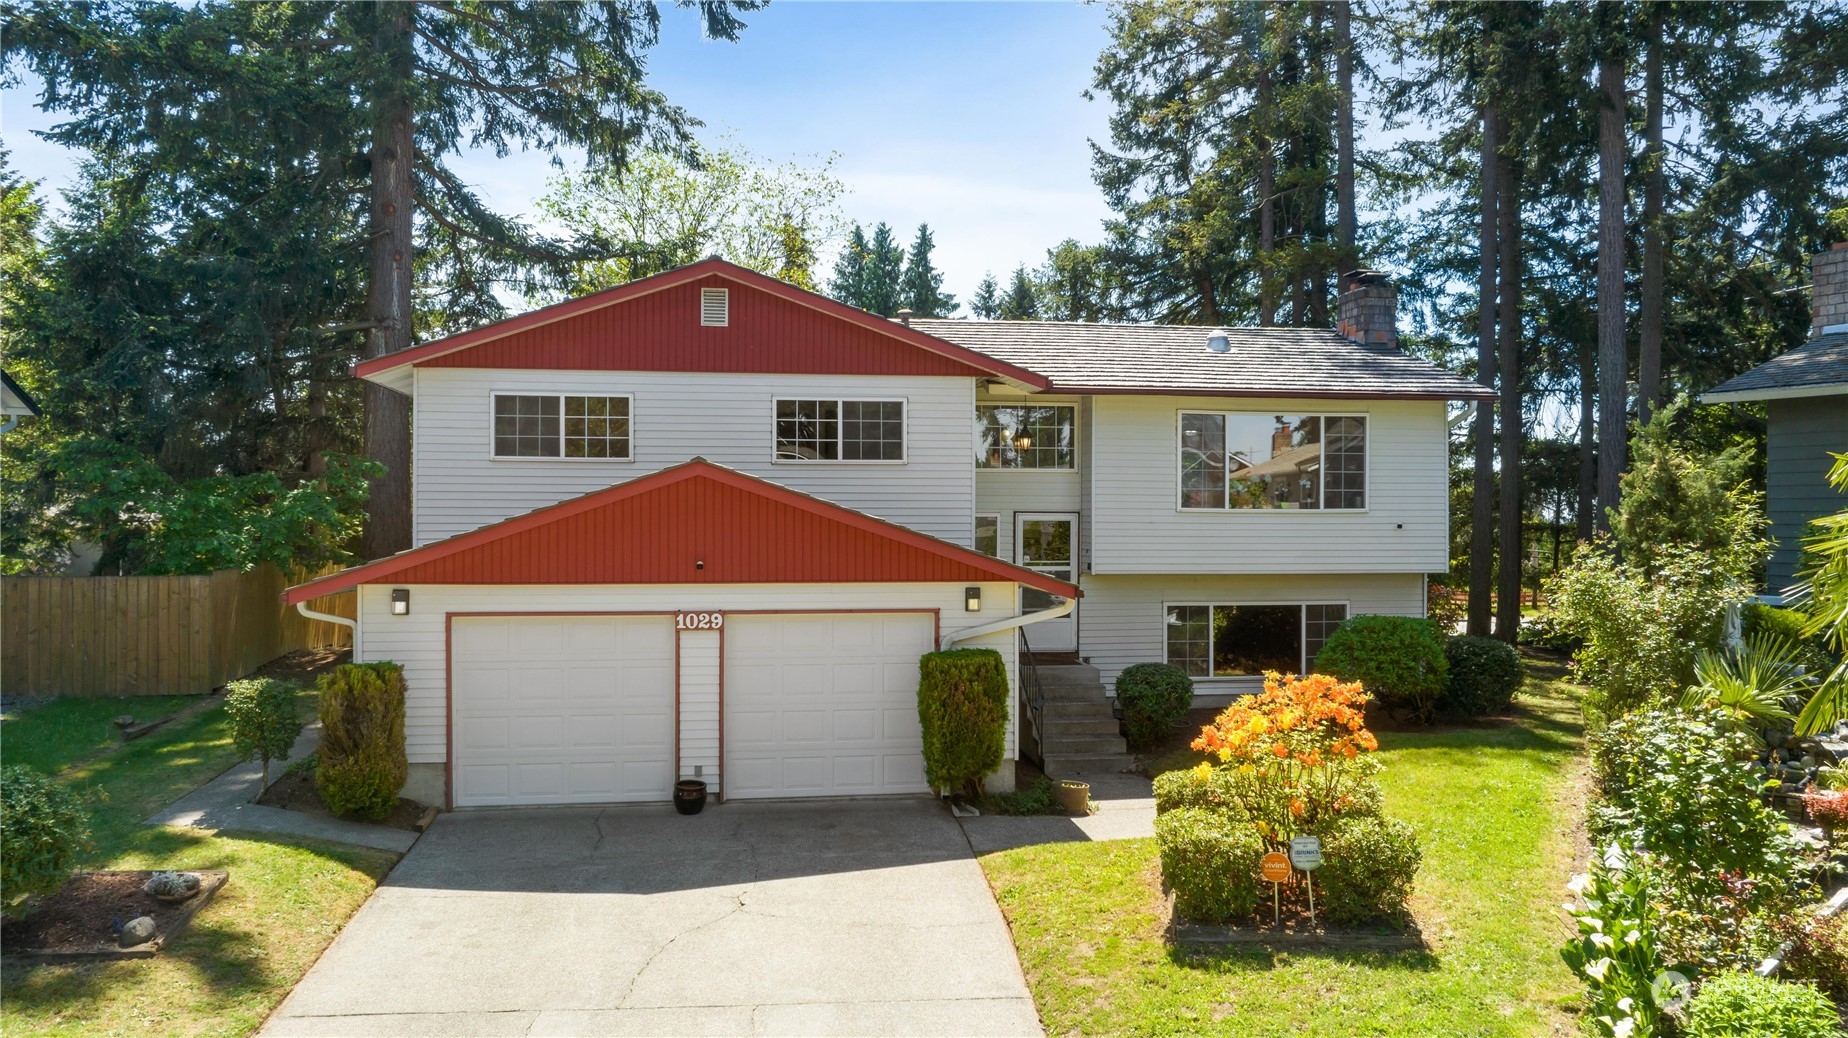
{"x": 1023, "y": 442}
{"x": 972, "y": 599}
{"x": 400, "y": 601}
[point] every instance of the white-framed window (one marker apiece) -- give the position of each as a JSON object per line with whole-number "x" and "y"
{"x": 988, "y": 535}
{"x": 1261, "y": 460}
{"x": 561, "y": 425}
{"x": 840, "y": 430}
{"x": 1236, "y": 640}
{"x": 1022, "y": 436}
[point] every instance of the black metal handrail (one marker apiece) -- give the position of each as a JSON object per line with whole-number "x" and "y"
{"x": 1033, "y": 706}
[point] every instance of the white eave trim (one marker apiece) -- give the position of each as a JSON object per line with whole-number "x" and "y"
{"x": 1790, "y": 393}
{"x": 402, "y": 379}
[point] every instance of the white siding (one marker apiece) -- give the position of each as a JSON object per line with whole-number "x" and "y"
{"x": 699, "y": 706}
{"x": 1136, "y": 525}
{"x": 1123, "y": 618}
{"x": 1008, "y": 492}
{"x": 417, "y": 640}
{"x": 457, "y": 486}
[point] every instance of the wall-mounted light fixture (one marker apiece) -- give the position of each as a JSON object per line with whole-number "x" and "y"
{"x": 972, "y": 599}
{"x": 1023, "y": 442}
{"x": 400, "y": 601}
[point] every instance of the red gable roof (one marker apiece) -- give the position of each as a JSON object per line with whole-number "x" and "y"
{"x": 653, "y": 325}
{"x": 658, "y": 529}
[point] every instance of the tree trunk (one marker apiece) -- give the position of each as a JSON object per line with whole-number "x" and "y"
{"x": 1588, "y": 442}
{"x": 1267, "y": 201}
{"x": 1655, "y": 259}
{"x": 388, "y": 291}
{"x": 1482, "y": 496}
{"x": 1612, "y": 366}
{"x": 1508, "y": 368}
{"x": 1346, "y": 223}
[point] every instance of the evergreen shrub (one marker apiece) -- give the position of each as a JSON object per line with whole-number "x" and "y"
{"x": 1368, "y": 865}
{"x": 1485, "y": 673}
{"x": 264, "y": 723}
{"x": 1399, "y": 659}
{"x": 1153, "y": 697}
{"x": 1209, "y": 858}
{"x": 43, "y": 831}
{"x": 962, "y": 705}
{"x": 362, "y": 763}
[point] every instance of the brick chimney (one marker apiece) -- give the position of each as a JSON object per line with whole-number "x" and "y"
{"x": 1367, "y": 308}
{"x": 1829, "y": 290}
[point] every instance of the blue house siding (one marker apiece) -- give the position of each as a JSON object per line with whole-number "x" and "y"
{"x": 1803, "y": 432}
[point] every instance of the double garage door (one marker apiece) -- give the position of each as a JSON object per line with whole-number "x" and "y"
{"x": 581, "y": 709}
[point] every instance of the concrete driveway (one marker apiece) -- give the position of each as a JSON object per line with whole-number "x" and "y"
{"x": 844, "y": 917}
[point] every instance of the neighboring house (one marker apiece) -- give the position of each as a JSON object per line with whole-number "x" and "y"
{"x": 1805, "y": 393}
{"x": 15, "y": 403}
{"x": 704, "y": 524}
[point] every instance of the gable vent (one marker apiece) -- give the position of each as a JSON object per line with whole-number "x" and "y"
{"x": 714, "y": 307}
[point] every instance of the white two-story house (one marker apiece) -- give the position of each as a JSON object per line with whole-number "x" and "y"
{"x": 703, "y": 525}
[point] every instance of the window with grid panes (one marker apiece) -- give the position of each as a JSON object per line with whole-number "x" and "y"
{"x": 1234, "y": 460}
{"x": 556, "y": 425}
{"x": 840, "y": 430}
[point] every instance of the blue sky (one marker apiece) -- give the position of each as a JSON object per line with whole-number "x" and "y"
{"x": 968, "y": 116}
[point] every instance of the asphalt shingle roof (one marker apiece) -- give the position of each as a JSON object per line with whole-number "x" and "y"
{"x": 1819, "y": 363}
{"x": 1173, "y": 359}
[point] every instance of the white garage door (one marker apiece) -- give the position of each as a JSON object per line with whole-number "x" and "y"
{"x": 562, "y": 709}
{"x": 824, "y": 705}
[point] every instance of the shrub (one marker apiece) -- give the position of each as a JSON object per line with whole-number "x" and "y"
{"x": 1547, "y": 630}
{"x": 1210, "y": 861}
{"x": 43, "y": 830}
{"x": 1368, "y": 865}
{"x": 1740, "y": 1005}
{"x": 1153, "y": 697}
{"x": 1760, "y": 620}
{"x": 1204, "y": 786}
{"x": 1036, "y": 799}
{"x": 1617, "y": 951}
{"x": 1296, "y": 753}
{"x": 1485, "y": 673}
{"x": 1399, "y": 659}
{"x": 962, "y": 705}
{"x": 361, "y": 762}
{"x": 1818, "y": 952}
{"x": 1828, "y": 808}
{"x": 1444, "y": 607}
{"x": 264, "y": 723}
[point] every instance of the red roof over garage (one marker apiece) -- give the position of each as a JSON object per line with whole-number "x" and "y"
{"x": 696, "y": 523}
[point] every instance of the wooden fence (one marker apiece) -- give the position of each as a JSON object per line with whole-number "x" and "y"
{"x": 146, "y": 636}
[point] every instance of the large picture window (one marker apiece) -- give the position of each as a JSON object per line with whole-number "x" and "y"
{"x": 1018, "y": 437}
{"x": 555, "y": 425}
{"x": 1235, "y": 641}
{"x": 840, "y": 430}
{"x": 1241, "y": 460}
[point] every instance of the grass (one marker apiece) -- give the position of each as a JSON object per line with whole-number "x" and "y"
{"x": 49, "y": 736}
{"x": 1496, "y": 810}
{"x": 286, "y": 900}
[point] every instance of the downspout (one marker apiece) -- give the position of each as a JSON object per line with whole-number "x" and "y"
{"x": 1469, "y": 412}
{"x": 7, "y": 426}
{"x": 315, "y": 614}
{"x": 967, "y": 633}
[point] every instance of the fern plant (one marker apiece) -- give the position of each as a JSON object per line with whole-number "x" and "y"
{"x": 1749, "y": 683}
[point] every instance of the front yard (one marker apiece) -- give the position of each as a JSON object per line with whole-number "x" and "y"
{"x": 286, "y": 900}
{"x": 1497, "y": 811}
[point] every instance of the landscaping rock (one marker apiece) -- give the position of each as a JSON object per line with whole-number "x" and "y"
{"x": 172, "y": 886}
{"x": 125, "y": 720}
{"x": 139, "y": 930}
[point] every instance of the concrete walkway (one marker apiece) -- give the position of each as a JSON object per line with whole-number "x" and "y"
{"x": 862, "y": 917}
{"x": 1125, "y": 811}
{"x": 226, "y": 803}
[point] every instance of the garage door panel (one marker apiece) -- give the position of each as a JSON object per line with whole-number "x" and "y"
{"x": 563, "y": 709}
{"x": 823, "y": 704}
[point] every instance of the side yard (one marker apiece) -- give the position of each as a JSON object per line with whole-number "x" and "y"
{"x": 286, "y": 900}
{"x": 1498, "y": 812}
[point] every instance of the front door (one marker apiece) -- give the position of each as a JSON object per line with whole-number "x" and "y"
{"x": 1045, "y": 541}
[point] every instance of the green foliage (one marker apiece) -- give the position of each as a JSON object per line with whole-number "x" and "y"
{"x": 962, "y": 704}
{"x": 361, "y": 764}
{"x": 1812, "y": 653}
{"x": 1399, "y": 659}
{"x": 1749, "y": 683}
{"x": 1818, "y": 951}
{"x": 1679, "y": 497}
{"x": 1485, "y": 673}
{"x": 1740, "y": 1005}
{"x": 1021, "y": 303}
{"x": 868, "y": 274}
{"x": 1616, "y": 951}
{"x": 1823, "y": 594}
{"x": 264, "y": 723}
{"x": 1544, "y": 630}
{"x": 43, "y": 830}
{"x": 1210, "y": 860}
{"x": 1035, "y": 799}
{"x": 1153, "y": 697}
{"x": 1641, "y": 631}
{"x": 1215, "y": 789}
{"x": 1443, "y": 606}
{"x": 1368, "y": 865}
{"x": 986, "y": 303}
{"x": 921, "y": 285}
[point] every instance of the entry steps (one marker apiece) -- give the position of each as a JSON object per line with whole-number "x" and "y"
{"x": 1081, "y": 735}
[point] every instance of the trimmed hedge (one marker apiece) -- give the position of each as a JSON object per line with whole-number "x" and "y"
{"x": 1400, "y": 659}
{"x": 1368, "y": 865}
{"x": 1153, "y": 697}
{"x": 362, "y": 763}
{"x": 962, "y": 705}
{"x": 1485, "y": 673}
{"x": 1187, "y": 787}
{"x": 43, "y": 831}
{"x": 1210, "y": 860}
{"x": 1740, "y": 1005}
{"x": 263, "y": 719}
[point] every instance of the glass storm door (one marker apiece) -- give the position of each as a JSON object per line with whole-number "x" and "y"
{"x": 1045, "y": 541}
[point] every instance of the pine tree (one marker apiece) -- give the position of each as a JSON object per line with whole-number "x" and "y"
{"x": 921, "y": 286}
{"x": 986, "y": 303}
{"x": 1022, "y": 301}
{"x": 885, "y": 269}
{"x": 849, "y": 281}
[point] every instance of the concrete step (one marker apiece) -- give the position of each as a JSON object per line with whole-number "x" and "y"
{"x": 1077, "y": 710}
{"x": 1073, "y": 693}
{"x": 1082, "y": 674}
{"x": 1058, "y": 745}
{"x": 1058, "y": 727}
{"x": 1066, "y": 765}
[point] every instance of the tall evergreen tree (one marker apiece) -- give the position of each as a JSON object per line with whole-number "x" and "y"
{"x": 885, "y": 270}
{"x": 986, "y": 302}
{"x": 849, "y": 281}
{"x": 1022, "y": 300}
{"x": 921, "y": 285}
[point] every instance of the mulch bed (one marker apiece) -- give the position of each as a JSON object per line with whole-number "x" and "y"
{"x": 79, "y": 921}
{"x": 303, "y": 666}
{"x": 295, "y": 791}
{"x": 1297, "y": 932}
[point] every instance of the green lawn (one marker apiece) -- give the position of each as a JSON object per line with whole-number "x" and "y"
{"x": 287, "y": 899}
{"x": 1496, "y": 810}
{"x": 49, "y": 736}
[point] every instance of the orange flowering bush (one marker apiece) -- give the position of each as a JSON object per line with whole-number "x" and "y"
{"x": 1296, "y": 754}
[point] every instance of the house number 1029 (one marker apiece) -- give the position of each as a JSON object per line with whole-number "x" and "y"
{"x": 698, "y": 621}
